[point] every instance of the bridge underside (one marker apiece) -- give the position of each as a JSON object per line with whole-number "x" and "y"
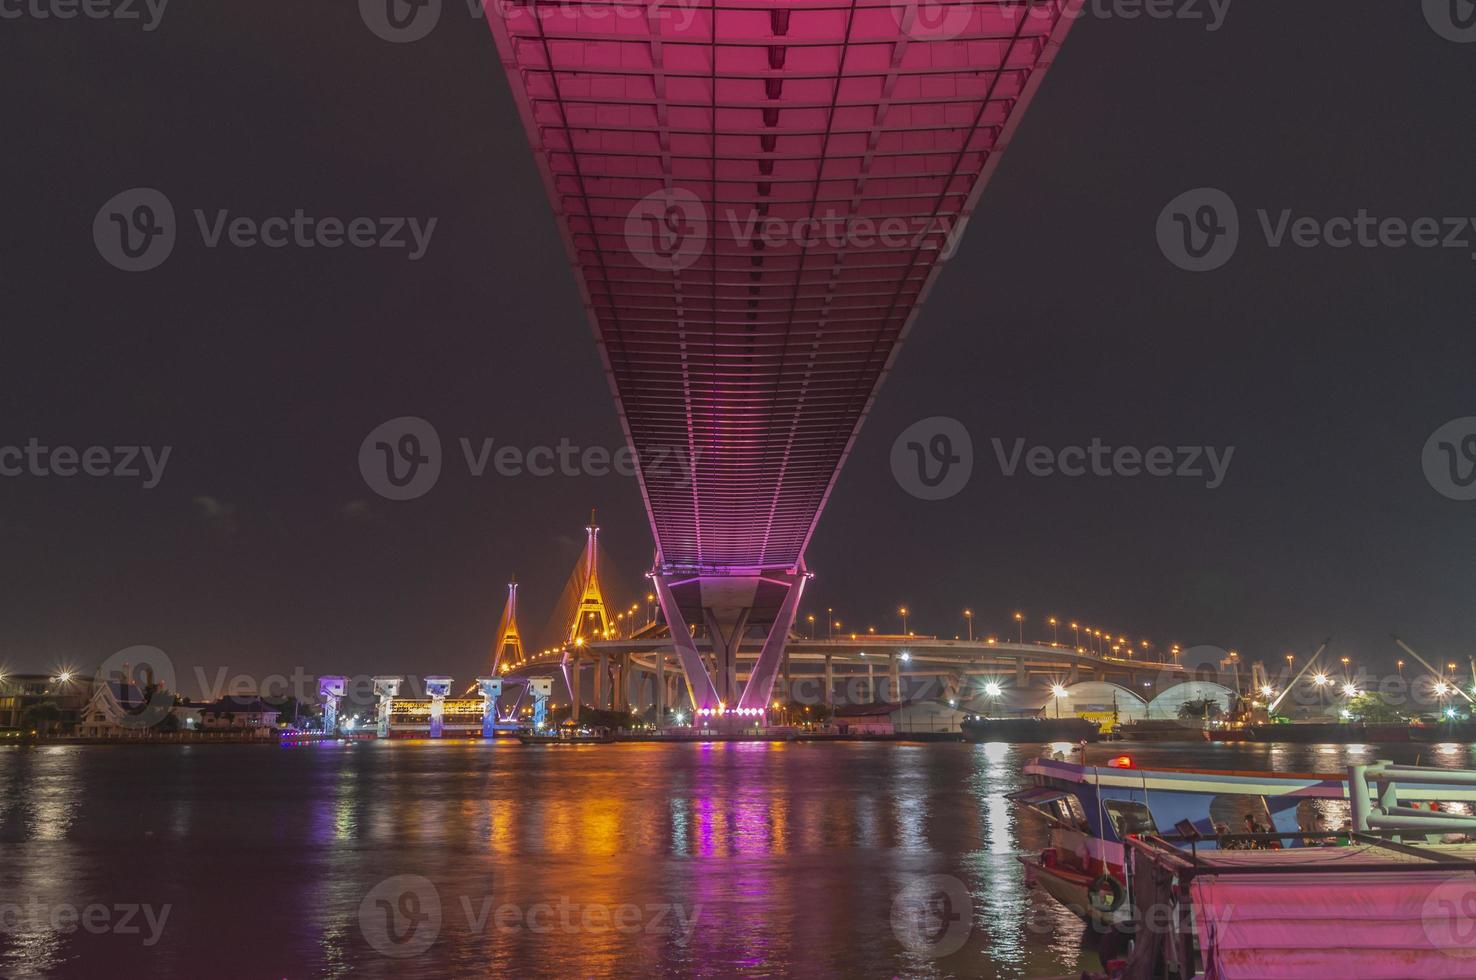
{"x": 755, "y": 197}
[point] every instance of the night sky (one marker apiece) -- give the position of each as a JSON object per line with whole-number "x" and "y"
{"x": 1059, "y": 320}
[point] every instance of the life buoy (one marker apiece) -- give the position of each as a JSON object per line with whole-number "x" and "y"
{"x": 1105, "y": 894}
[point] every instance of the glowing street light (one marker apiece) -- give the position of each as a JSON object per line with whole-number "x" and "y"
{"x": 1020, "y": 623}
{"x": 969, "y": 618}
{"x": 1321, "y": 680}
{"x": 1350, "y": 690}
{"x": 1076, "y": 634}
{"x": 1052, "y": 623}
{"x": 903, "y": 611}
{"x": 1266, "y": 690}
{"x": 1058, "y": 691}
{"x": 993, "y": 690}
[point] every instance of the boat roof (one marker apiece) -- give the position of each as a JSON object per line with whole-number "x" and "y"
{"x": 1372, "y": 909}
{"x": 1160, "y": 780}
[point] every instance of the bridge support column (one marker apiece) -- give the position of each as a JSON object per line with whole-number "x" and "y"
{"x": 1022, "y": 675}
{"x": 725, "y": 653}
{"x": 699, "y": 684}
{"x": 602, "y": 681}
{"x": 761, "y": 680}
{"x": 659, "y": 682}
{"x": 895, "y": 694}
{"x": 871, "y": 683}
{"x": 829, "y": 679}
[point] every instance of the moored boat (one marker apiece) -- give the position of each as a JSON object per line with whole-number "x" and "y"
{"x": 568, "y": 736}
{"x": 1093, "y": 811}
{"x": 1030, "y": 729}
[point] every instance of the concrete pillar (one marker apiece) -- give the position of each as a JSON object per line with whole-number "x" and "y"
{"x": 871, "y": 682}
{"x": 602, "y": 680}
{"x": 895, "y": 665}
{"x": 660, "y": 684}
{"x": 829, "y": 680}
{"x": 1022, "y": 676}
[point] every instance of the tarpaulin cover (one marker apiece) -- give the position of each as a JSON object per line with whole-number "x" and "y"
{"x": 1371, "y": 925}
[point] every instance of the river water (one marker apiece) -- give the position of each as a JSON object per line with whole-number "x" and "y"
{"x": 421, "y": 859}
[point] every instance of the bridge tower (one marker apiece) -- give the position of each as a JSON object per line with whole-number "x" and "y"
{"x": 590, "y": 617}
{"x": 509, "y": 640}
{"x": 591, "y": 620}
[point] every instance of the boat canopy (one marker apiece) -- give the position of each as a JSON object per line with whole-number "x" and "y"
{"x": 1373, "y": 925}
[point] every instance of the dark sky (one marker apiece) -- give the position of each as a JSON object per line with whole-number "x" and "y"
{"x": 1059, "y": 320}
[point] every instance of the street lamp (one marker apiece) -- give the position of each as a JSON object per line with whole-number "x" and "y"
{"x": 903, "y": 611}
{"x": 811, "y": 618}
{"x": 829, "y": 617}
{"x": 1076, "y": 634}
{"x": 1055, "y": 638}
{"x": 1020, "y": 624}
{"x": 969, "y": 618}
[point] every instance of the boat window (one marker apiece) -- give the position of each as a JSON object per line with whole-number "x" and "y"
{"x": 1229, "y": 810}
{"x": 1129, "y": 817}
{"x": 1315, "y": 815}
{"x": 1071, "y": 812}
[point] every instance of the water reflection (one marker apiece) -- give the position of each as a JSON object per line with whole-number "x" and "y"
{"x": 767, "y": 860}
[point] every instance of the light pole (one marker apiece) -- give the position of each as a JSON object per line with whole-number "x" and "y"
{"x": 903, "y": 611}
{"x": 650, "y": 616}
{"x": 1020, "y": 626}
{"x": 830, "y": 621}
{"x": 1076, "y": 635}
{"x": 1055, "y": 638}
{"x": 969, "y": 618}
{"x": 811, "y": 618}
